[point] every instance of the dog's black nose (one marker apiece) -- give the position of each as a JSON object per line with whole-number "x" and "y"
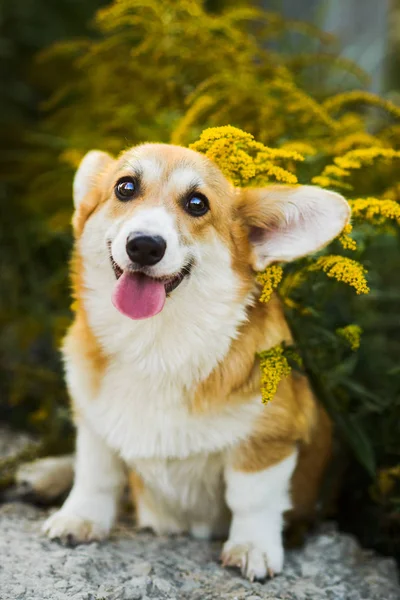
{"x": 145, "y": 250}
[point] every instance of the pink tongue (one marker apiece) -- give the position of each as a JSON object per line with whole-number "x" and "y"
{"x": 138, "y": 296}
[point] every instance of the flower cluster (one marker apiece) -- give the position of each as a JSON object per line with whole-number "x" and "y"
{"x": 386, "y": 482}
{"x": 347, "y": 242}
{"x": 342, "y": 269}
{"x": 332, "y": 175}
{"x": 351, "y": 334}
{"x": 247, "y": 162}
{"x": 243, "y": 160}
{"x": 270, "y": 278}
{"x": 274, "y": 367}
{"x": 340, "y": 101}
{"x": 375, "y": 211}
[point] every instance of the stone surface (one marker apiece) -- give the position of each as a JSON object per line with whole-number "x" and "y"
{"x": 139, "y": 566}
{"x": 12, "y": 442}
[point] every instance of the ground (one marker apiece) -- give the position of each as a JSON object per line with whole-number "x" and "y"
{"x": 140, "y": 566}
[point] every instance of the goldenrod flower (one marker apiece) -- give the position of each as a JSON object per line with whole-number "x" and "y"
{"x": 328, "y": 182}
{"x": 386, "y": 480}
{"x": 274, "y": 367}
{"x": 337, "y": 102}
{"x": 355, "y": 159}
{"x": 270, "y": 278}
{"x": 352, "y": 335}
{"x": 332, "y": 175}
{"x": 392, "y": 192}
{"x": 243, "y": 160}
{"x": 302, "y": 147}
{"x": 353, "y": 140}
{"x": 374, "y": 210}
{"x": 347, "y": 242}
{"x": 343, "y": 269}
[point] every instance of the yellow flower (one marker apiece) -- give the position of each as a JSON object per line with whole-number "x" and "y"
{"x": 392, "y": 192}
{"x": 274, "y": 367}
{"x": 352, "y": 335}
{"x": 332, "y": 175}
{"x": 280, "y": 174}
{"x": 385, "y": 483}
{"x": 337, "y": 102}
{"x": 303, "y": 148}
{"x": 243, "y": 160}
{"x": 269, "y": 279}
{"x": 327, "y": 182}
{"x": 354, "y": 140}
{"x": 343, "y": 269}
{"x": 374, "y": 210}
{"x": 347, "y": 242}
{"x": 355, "y": 159}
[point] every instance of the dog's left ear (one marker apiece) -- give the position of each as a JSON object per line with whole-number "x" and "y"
{"x": 287, "y": 222}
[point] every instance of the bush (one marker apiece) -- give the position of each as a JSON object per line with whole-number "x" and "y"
{"x": 164, "y": 70}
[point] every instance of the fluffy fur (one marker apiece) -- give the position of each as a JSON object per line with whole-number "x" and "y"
{"x": 176, "y": 398}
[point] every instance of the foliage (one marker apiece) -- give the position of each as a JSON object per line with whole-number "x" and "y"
{"x": 164, "y": 70}
{"x": 352, "y": 335}
{"x": 245, "y": 161}
{"x": 33, "y": 284}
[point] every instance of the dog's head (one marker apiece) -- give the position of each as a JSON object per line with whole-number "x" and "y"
{"x": 162, "y": 223}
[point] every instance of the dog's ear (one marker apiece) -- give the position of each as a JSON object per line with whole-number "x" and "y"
{"x": 92, "y": 165}
{"x": 288, "y": 222}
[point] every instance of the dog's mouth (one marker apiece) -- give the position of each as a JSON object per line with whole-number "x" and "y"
{"x": 139, "y": 295}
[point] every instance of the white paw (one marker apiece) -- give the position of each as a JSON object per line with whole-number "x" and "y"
{"x": 253, "y": 561}
{"x": 72, "y": 529}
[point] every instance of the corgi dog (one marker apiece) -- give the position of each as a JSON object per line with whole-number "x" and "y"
{"x": 161, "y": 359}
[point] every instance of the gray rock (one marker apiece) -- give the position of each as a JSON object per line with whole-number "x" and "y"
{"x": 13, "y": 442}
{"x": 140, "y": 566}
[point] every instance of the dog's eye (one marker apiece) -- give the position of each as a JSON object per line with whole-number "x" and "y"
{"x": 125, "y": 188}
{"x": 197, "y": 205}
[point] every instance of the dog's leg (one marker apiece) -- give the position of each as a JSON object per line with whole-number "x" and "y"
{"x": 90, "y": 509}
{"x": 151, "y": 512}
{"x": 159, "y": 519}
{"x": 258, "y": 499}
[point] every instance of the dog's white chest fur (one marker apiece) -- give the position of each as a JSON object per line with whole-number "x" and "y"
{"x": 143, "y": 417}
{"x": 142, "y": 406}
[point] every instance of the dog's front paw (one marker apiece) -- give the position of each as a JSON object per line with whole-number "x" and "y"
{"x": 254, "y": 561}
{"x": 71, "y": 529}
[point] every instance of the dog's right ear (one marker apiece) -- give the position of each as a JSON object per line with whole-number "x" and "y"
{"x": 287, "y": 222}
{"x": 92, "y": 165}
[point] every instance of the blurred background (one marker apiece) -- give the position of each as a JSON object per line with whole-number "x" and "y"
{"x": 99, "y": 74}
